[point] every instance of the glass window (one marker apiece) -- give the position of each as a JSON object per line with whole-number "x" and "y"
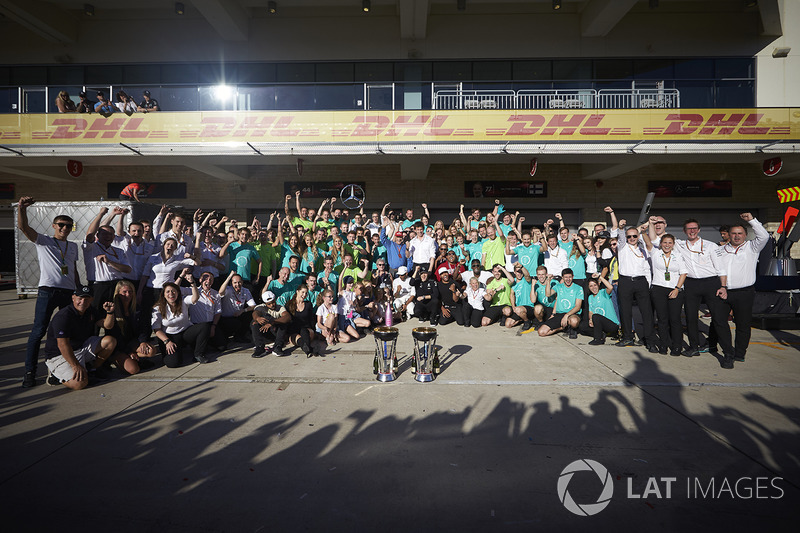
{"x": 338, "y": 96}
{"x": 72, "y": 90}
{"x": 179, "y": 73}
{"x": 696, "y": 94}
{"x": 29, "y": 76}
{"x": 216, "y": 97}
{"x": 491, "y": 70}
{"x": 452, "y": 71}
{"x": 290, "y": 97}
{"x": 694, "y": 69}
{"x": 417, "y": 71}
{"x": 256, "y": 98}
{"x": 103, "y": 74}
{"x": 217, "y": 73}
{"x": 613, "y": 69}
{"x": 653, "y": 69}
{"x": 572, "y": 69}
{"x": 733, "y": 68}
{"x": 33, "y": 100}
{"x": 295, "y": 72}
{"x": 256, "y": 72}
{"x": 65, "y": 75}
{"x": 533, "y": 70}
{"x": 177, "y": 98}
{"x": 334, "y": 72}
{"x": 738, "y": 93}
{"x": 141, "y": 74}
{"x": 374, "y": 72}
{"x": 412, "y": 96}
{"x": 9, "y": 100}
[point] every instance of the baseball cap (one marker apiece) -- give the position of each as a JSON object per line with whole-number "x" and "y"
{"x": 604, "y": 234}
{"x": 399, "y": 234}
{"x": 402, "y": 270}
{"x": 146, "y": 93}
{"x": 83, "y": 292}
{"x": 442, "y": 270}
{"x": 268, "y": 296}
{"x": 82, "y": 94}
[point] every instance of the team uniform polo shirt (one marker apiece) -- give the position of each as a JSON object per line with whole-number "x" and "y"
{"x": 494, "y": 252}
{"x": 506, "y": 228}
{"x": 278, "y": 288}
{"x": 601, "y": 304}
{"x": 185, "y": 244}
{"x": 565, "y": 245}
{"x": 578, "y": 265}
{"x": 739, "y": 263}
{"x": 69, "y": 324}
{"x": 503, "y": 297}
{"x": 97, "y": 271}
{"x": 475, "y": 250}
{"x": 408, "y": 223}
{"x": 159, "y": 272}
{"x": 268, "y": 255}
{"x": 541, "y": 294}
{"x": 698, "y": 258}
{"x": 522, "y": 292}
{"x": 56, "y": 262}
{"x": 297, "y": 221}
{"x": 172, "y": 323}
{"x": 233, "y": 301}
{"x": 567, "y": 296}
{"x": 528, "y": 256}
{"x": 241, "y": 257}
{"x": 333, "y": 280}
{"x": 208, "y": 305}
{"x": 137, "y": 255}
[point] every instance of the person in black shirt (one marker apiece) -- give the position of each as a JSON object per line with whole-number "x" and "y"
{"x": 449, "y": 296}
{"x": 148, "y": 104}
{"x": 426, "y": 300}
{"x": 71, "y": 342}
{"x": 85, "y": 105}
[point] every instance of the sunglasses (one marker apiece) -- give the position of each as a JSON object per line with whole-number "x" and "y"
{"x": 64, "y": 224}
{"x": 633, "y": 237}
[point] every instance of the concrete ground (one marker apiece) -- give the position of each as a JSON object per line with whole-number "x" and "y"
{"x": 285, "y": 444}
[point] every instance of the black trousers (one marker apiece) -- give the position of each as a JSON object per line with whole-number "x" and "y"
{"x": 195, "y": 335}
{"x": 631, "y": 289}
{"x": 705, "y": 290}
{"x": 261, "y": 338}
{"x": 426, "y": 309}
{"x": 234, "y": 326}
{"x": 103, "y": 291}
{"x": 740, "y": 301}
{"x": 471, "y": 316}
{"x": 601, "y": 326}
{"x": 668, "y": 313}
{"x": 456, "y": 314}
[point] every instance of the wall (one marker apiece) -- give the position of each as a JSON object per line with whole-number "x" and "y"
{"x": 778, "y": 79}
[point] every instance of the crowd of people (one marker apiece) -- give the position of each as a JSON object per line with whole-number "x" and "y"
{"x": 311, "y": 278}
{"x": 124, "y": 104}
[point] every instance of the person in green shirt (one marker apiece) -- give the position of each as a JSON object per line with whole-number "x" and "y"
{"x": 302, "y": 213}
{"x": 494, "y": 247}
{"x": 569, "y": 299}
{"x": 499, "y": 295}
{"x": 353, "y": 269}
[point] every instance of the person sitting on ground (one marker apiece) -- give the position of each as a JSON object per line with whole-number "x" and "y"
{"x": 426, "y": 297}
{"x": 403, "y": 293}
{"x": 350, "y": 320}
{"x": 499, "y": 295}
{"x": 132, "y": 345}
{"x": 328, "y": 320}
{"x": 450, "y": 299}
{"x": 302, "y": 323}
{"x": 173, "y": 326}
{"x": 524, "y": 295}
{"x": 72, "y": 347}
{"x": 569, "y": 299}
{"x": 268, "y": 319}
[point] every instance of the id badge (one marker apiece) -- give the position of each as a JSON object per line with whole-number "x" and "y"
{"x": 64, "y": 270}
{"x": 666, "y": 275}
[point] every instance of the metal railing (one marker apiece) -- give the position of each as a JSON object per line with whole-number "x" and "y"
{"x": 454, "y": 99}
{"x": 558, "y": 99}
{"x": 638, "y": 98}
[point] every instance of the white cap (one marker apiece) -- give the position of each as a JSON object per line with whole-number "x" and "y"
{"x": 402, "y": 270}
{"x": 443, "y": 269}
{"x": 267, "y": 296}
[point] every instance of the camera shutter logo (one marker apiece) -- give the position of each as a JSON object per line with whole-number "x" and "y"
{"x": 587, "y": 509}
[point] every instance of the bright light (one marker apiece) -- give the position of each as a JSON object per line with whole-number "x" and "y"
{"x": 222, "y": 92}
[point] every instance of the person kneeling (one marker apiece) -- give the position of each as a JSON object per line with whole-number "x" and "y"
{"x": 72, "y": 347}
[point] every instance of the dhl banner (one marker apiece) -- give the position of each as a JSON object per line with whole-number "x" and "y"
{"x": 769, "y": 124}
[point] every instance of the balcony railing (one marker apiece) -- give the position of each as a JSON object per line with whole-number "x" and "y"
{"x": 558, "y": 99}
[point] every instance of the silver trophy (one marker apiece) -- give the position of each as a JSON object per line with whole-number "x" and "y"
{"x": 426, "y": 355}
{"x": 385, "y": 362}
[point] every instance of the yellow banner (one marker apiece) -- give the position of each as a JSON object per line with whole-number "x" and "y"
{"x": 769, "y": 124}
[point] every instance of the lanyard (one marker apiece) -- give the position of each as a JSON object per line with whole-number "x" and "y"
{"x": 666, "y": 263}
{"x": 701, "y": 248}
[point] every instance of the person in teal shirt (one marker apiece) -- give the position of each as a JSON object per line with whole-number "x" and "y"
{"x": 603, "y": 319}
{"x": 241, "y": 257}
{"x": 475, "y": 246}
{"x": 543, "y": 304}
{"x": 528, "y": 253}
{"x": 569, "y": 299}
{"x": 523, "y": 310}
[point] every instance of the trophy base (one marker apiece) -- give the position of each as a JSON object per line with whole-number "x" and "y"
{"x": 423, "y": 378}
{"x": 385, "y": 378}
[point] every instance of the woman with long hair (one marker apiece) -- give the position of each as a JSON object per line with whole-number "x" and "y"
{"x": 309, "y": 256}
{"x": 337, "y": 251}
{"x": 289, "y": 248}
{"x": 173, "y": 327}
{"x": 302, "y": 322}
{"x": 132, "y": 343}
{"x": 160, "y": 269}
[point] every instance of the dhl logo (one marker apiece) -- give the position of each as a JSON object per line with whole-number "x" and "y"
{"x": 399, "y": 126}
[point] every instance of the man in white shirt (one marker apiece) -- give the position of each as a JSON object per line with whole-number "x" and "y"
{"x": 421, "y": 249}
{"x": 178, "y": 225}
{"x": 58, "y": 278}
{"x": 736, "y": 262}
{"x": 137, "y": 249}
{"x": 702, "y": 284}
{"x": 555, "y": 257}
{"x": 634, "y": 284}
{"x": 105, "y": 264}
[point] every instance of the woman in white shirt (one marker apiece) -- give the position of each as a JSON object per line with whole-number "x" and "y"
{"x": 159, "y": 270}
{"x": 174, "y": 329}
{"x": 474, "y": 294}
{"x": 666, "y": 293}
